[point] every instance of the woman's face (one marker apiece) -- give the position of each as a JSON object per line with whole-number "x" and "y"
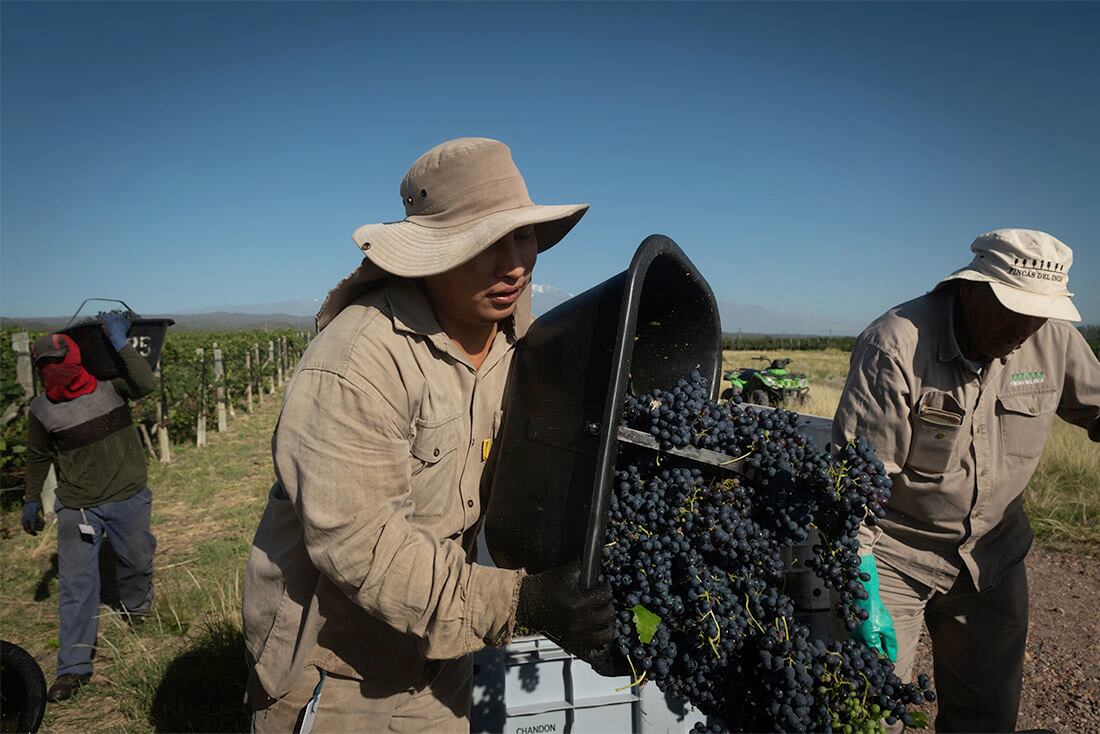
{"x": 484, "y": 291}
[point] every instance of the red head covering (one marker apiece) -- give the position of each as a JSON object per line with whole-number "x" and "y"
{"x": 66, "y": 378}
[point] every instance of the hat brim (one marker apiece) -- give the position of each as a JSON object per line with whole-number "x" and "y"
{"x": 1021, "y": 301}
{"x": 396, "y": 248}
{"x": 44, "y": 348}
{"x": 413, "y": 250}
{"x": 1031, "y": 304}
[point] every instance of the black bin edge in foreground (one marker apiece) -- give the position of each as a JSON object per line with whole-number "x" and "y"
{"x": 643, "y": 328}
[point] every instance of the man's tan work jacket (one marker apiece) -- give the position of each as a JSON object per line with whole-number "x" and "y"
{"x": 960, "y": 446}
{"x": 362, "y": 563}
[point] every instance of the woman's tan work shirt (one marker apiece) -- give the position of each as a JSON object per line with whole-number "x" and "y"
{"x": 362, "y": 563}
{"x": 960, "y": 446}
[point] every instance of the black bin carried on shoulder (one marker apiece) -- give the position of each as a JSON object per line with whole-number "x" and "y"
{"x": 98, "y": 355}
{"x": 644, "y": 328}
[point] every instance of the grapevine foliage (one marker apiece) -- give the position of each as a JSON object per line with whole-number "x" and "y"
{"x": 181, "y": 378}
{"x": 701, "y": 549}
{"x": 184, "y": 373}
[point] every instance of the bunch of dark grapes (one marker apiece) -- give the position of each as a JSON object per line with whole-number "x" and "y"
{"x": 701, "y": 549}
{"x": 855, "y": 489}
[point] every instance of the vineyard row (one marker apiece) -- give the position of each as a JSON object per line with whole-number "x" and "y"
{"x": 203, "y": 379}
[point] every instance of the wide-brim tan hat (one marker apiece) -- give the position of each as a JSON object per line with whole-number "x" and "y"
{"x": 1028, "y": 271}
{"x": 460, "y": 197}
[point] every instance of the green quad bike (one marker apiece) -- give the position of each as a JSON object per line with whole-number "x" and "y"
{"x": 772, "y": 385}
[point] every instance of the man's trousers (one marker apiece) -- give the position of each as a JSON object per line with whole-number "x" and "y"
{"x": 350, "y": 705}
{"x": 126, "y": 524}
{"x": 978, "y": 644}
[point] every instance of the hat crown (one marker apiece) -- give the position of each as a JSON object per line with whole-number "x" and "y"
{"x": 461, "y": 180}
{"x": 1026, "y": 259}
{"x": 53, "y": 346}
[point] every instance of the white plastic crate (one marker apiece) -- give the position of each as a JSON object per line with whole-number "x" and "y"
{"x": 659, "y": 713}
{"x": 535, "y": 687}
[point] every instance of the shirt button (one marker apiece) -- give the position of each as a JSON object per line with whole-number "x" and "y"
{"x": 469, "y": 503}
{"x": 435, "y": 453}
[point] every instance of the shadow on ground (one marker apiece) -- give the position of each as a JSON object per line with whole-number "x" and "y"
{"x": 203, "y": 688}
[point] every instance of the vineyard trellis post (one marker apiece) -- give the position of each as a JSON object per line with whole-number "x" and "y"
{"x": 258, "y": 369}
{"x": 24, "y": 373}
{"x": 24, "y": 370}
{"x": 219, "y": 389}
{"x": 200, "y": 427}
{"x": 162, "y": 417}
{"x": 251, "y": 379}
{"x": 271, "y": 361}
{"x": 279, "y": 361}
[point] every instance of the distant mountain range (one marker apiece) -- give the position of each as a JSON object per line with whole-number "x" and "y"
{"x": 736, "y": 317}
{"x": 298, "y": 314}
{"x": 213, "y": 321}
{"x": 747, "y": 318}
{"x": 302, "y": 307}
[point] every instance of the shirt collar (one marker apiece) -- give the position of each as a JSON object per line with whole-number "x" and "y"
{"x": 949, "y": 339}
{"x": 949, "y": 343}
{"x": 412, "y": 313}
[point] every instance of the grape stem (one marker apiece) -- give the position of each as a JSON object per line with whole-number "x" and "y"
{"x": 638, "y": 681}
{"x": 749, "y": 612}
{"x": 745, "y": 455}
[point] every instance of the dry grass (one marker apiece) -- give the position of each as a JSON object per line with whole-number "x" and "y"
{"x": 1063, "y": 497}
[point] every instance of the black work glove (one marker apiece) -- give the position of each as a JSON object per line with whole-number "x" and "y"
{"x": 32, "y": 517}
{"x": 582, "y": 622}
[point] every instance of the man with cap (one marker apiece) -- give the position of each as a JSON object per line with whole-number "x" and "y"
{"x": 363, "y": 599}
{"x": 957, "y": 390}
{"x": 83, "y": 427}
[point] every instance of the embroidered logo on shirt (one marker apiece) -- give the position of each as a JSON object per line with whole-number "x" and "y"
{"x": 1033, "y": 377}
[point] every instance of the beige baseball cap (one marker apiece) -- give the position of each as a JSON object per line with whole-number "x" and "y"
{"x": 1028, "y": 271}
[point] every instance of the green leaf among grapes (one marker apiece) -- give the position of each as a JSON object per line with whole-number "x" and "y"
{"x": 920, "y": 719}
{"x": 646, "y": 622}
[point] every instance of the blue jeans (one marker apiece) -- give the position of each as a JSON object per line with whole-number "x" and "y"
{"x": 126, "y": 524}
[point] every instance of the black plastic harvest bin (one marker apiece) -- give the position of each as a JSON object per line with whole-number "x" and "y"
{"x": 644, "y": 328}
{"x": 98, "y": 355}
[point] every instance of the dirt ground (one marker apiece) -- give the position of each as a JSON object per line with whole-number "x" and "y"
{"x": 1062, "y": 666}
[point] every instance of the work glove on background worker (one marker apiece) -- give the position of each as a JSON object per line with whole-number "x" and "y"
{"x": 117, "y": 325}
{"x": 877, "y": 631}
{"x": 32, "y": 517}
{"x": 553, "y": 602}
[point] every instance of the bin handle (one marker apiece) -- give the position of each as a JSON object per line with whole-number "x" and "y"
{"x": 111, "y": 300}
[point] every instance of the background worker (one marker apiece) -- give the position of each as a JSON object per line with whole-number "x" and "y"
{"x": 957, "y": 390}
{"x": 83, "y": 427}
{"x": 362, "y": 593}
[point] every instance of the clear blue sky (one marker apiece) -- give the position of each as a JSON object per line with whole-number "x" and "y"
{"x": 827, "y": 158}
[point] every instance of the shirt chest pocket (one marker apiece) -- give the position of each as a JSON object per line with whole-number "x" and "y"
{"x": 937, "y": 430}
{"x": 434, "y": 464}
{"x": 1025, "y": 422}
